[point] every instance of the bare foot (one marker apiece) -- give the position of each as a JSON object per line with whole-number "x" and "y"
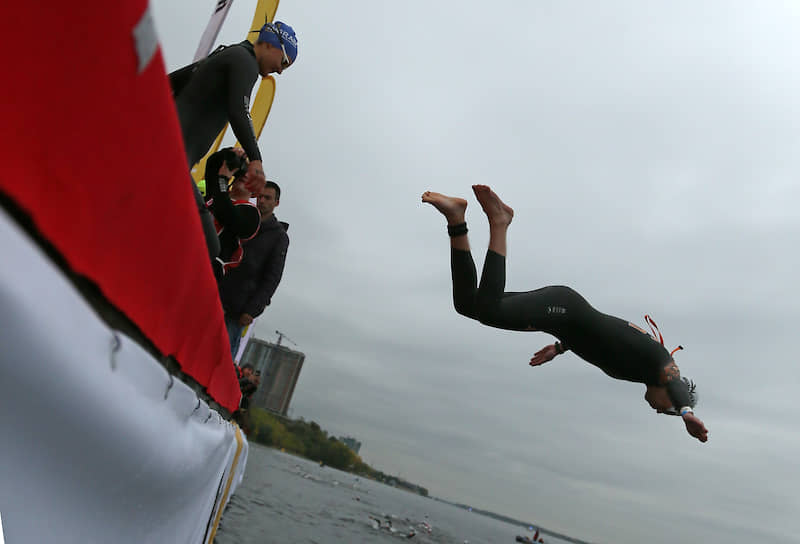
{"x": 496, "y": 210}
{"x": 451, "y": 207}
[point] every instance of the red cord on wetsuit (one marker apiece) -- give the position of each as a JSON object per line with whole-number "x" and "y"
{"x": 657, "y": 333}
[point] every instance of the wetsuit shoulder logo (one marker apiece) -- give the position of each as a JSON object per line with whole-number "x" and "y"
{"x": 556, "y": 310}
{"x": 247, "y": 109}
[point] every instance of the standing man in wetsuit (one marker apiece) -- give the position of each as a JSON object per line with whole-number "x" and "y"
{"x": 619, "y": 348}
{"x": 216, "y": 91}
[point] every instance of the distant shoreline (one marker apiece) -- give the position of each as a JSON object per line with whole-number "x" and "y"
{"x": 308, "y": 440}
{"x": 513, "y": 521}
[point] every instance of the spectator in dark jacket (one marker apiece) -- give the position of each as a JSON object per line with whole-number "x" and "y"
{"x": 248, "y": 385}
{"x": 247, "y": 289}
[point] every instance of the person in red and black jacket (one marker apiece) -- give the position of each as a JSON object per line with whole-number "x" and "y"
{"x": 235, "y": 218}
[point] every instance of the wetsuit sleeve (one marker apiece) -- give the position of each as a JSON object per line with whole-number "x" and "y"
{"x": 216, "y": 185}
{"x": 240, "y": 85}
{"x": 678, "y": 393}
{"x": 217, "y": 189}
{"x": 269, "y": 280}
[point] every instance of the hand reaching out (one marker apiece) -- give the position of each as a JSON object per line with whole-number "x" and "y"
{"x": 544, "y": 355}
{"x": 254, "y": 180}
{"x": 695, "y": 427}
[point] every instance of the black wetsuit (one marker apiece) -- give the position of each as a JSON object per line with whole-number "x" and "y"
{"x": 218, "y": 92}
{"x": 209, "y": 94}
{"x": 620, "y": 349}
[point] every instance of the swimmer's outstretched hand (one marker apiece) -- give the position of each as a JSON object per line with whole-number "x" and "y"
{"x": 695, "y": 427}
{"x": 255, "y": 180}
{"x": 544, "y": 355}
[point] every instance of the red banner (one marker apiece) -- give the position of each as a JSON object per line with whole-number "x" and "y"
{"x": 92, "y": 150}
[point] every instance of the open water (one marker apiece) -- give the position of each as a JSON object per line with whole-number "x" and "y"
{"x": 287, "y": 499}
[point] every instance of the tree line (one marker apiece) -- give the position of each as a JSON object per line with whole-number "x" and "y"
{"x": 308, "y": 440}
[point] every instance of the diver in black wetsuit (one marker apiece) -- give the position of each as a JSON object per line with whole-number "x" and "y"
{"x": 216, "y": 90}
{"x": 619, "y": 348}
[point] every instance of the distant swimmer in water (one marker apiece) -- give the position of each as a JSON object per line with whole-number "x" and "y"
{"x": 619, "y": 348}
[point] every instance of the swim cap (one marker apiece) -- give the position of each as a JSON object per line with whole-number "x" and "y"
{"x": 268, "y": 34}
{"x": 690, "y": 385}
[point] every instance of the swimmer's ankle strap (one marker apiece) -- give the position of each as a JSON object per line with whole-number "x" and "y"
{"x": 457, "y": 230}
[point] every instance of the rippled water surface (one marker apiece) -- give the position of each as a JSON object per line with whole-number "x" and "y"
{"x": 286, "y": 499}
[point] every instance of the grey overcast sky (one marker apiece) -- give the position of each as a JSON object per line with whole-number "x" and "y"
{"x": 650, "y": 151}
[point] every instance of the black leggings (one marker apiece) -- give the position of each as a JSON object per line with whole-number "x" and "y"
{"x": 555, "y": 309}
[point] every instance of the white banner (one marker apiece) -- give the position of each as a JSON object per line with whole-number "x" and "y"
{"x": 221, "y": 8}
{"x": 99, "y": 443}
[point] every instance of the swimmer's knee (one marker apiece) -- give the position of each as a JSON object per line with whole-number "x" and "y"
{"x": 486, "y": 312}
{"x": 467, "y": 309}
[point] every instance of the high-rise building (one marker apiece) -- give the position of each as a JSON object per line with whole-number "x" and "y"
{"x": 279, "y": 367}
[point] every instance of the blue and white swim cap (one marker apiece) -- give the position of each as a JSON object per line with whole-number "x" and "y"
{"x": 269, "y": 33}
